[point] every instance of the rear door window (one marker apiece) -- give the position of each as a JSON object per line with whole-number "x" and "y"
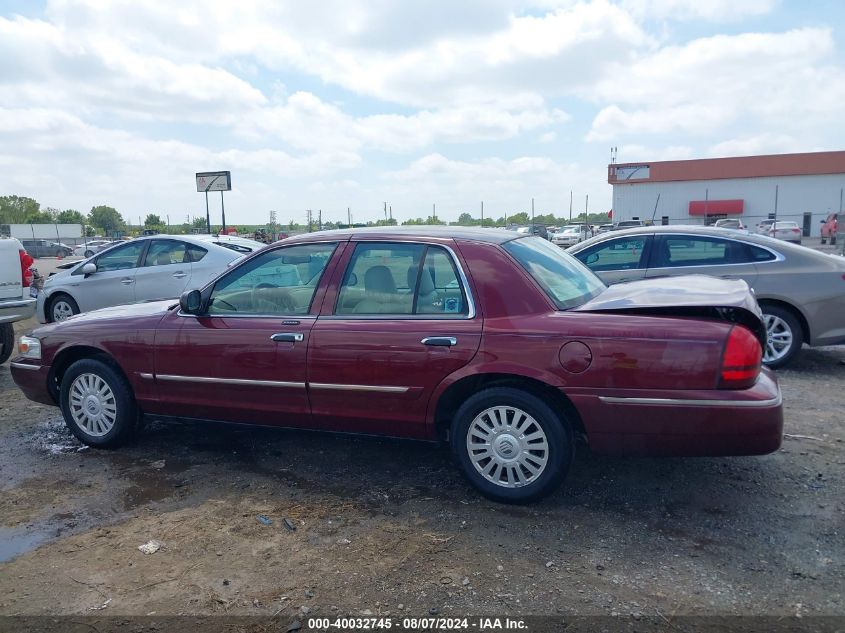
{"x": 401, "y": 279}
{"x": 672, "y": 251}
{"x": 166, "y": 252}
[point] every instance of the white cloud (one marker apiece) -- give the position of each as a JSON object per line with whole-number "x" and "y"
{"x": 352, "y": 102}
{"x": 705, "y": 86}
{"x": 506, "y": 186}
{"x": 305, "y": 121}
{"x": 712, "y": 10}
{"x": 427, "y": 54}
{"x": 765, "y": 143}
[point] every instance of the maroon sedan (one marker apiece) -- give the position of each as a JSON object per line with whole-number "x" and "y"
{"x": 501, "y": 344}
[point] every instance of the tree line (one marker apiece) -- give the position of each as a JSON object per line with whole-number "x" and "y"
{"x": 106, "y": 219}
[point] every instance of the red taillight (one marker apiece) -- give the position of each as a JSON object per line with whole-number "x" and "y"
{"x": 741, "y": 359}
{"x": 26, "y": 273}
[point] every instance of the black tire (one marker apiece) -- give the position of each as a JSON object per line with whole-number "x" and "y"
{"x": 558, "y": 434}
{"x": 126, "y": 413}
{"x": 7, "y": 341}
{"x": 791, "y": 322}
{"x": 823, "y": 241}
{"x": 60, "y": 296}
{"x": 833, "y": 240}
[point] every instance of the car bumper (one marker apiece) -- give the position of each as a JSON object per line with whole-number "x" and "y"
{"x": 32, "y": 379}
{"x": 40, "y": 306}
{"x": 16, "y": 310}
{"x": 690, "y": 423}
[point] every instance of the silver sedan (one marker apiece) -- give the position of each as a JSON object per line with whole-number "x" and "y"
{"x": 144, "y": 269}
{"x": 800, "y": 291}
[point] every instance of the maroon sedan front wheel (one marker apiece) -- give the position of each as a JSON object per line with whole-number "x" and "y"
{"x": 98, "y": 404}
{"x": 511, "y": 446}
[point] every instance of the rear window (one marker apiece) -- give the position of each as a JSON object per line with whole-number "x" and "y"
{"x": 238, "y": 248}
{"x": 566, "y": 281}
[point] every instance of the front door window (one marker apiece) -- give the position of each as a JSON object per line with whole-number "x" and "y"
{"x": 279, "y": 282}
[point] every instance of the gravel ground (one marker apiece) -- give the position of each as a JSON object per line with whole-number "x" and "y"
{"x": 381, "y": 526}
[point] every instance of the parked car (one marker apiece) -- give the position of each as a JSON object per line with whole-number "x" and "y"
{"x": 763, "y": 226}
{"x": 91, "y": 247}
{"x": 830, "y": 226}
{"x": 801, "y": 291}
{"x": 534, "y": 229}
{"x": 730, "y": 223}
{"x": 16, "y": 277}
{"x": 572, "y": 234}
{"x": 604, "y": 228}
{"x": 145, "y": 269}
{"x": 627, "y": 224}
{"x": 241, "y": 245}
{"x": 787, "y": 231}
{"x": 46, "y": 248}
{"x": 499, "y": 343}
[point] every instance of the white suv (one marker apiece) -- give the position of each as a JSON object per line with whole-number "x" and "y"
{"x": 15, "y": 301}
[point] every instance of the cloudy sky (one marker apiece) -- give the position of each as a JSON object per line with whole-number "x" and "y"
{"x": 336, "y": 103}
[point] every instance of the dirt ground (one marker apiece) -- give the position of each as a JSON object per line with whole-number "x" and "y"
{"x": 389, "y": 527}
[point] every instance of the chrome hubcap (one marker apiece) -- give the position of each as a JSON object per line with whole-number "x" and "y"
{"x": 507, "y": 446}
{"x": 62, "y": 310}
{"x": 92, "y": 404}
{"x": 778, "y": 338}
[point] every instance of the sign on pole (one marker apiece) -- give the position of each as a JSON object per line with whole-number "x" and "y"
{"x": 214, "y": 181}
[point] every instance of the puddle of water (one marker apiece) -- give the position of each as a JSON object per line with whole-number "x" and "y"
{"x": 17, "y": 541}
{"x": 54, "y": 438}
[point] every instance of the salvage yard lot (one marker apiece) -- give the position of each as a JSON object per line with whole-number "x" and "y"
{"x": 382, "y": 523}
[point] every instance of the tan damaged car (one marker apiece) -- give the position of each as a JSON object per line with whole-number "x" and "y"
{"x": 801, "y": 291}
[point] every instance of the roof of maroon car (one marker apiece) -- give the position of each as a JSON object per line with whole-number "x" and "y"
{"x": 493, "y": 236}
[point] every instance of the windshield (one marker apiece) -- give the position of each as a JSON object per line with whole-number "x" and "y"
{"x": 566, "y": 281}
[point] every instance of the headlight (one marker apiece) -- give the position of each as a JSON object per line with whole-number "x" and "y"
{"x": 30, "y": 347}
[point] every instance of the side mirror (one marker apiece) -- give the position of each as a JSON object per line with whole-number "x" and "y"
{"x": 191, "y": 302}
{"x": 89, "y": 269}
{"x": 592, "y": 258}
{"x": 353, "y": 280}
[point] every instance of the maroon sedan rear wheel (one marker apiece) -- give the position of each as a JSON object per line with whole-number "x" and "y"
{"x": 511, "y": 446}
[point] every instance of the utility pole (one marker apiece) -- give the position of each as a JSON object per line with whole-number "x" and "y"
{"x": 532, "y": 216}
{"x": 776, "y": 204}
{"x": 308, "y": 214}
{"x": 385, "y": 211}
{"x": 349, "y": 217}
{"x": 223, "y": 211}
{"x": 587, "y": 207}
{"x": 570, "y": 207}
{"x": 482, "y": 214}
{"x": 391, "y": 213}
{"x": 320, "y": 220}
{"x": 207, "y": 215}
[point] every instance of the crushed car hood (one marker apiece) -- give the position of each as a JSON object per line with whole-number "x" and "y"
{"x": 696, "y": 296}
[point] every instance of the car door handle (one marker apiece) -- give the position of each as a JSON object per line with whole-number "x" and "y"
{"x": 127, "y": 280}
{"x": 440, "y": 341}
{"x": 287, "y": 337}
{"x": 179, "y": 274}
